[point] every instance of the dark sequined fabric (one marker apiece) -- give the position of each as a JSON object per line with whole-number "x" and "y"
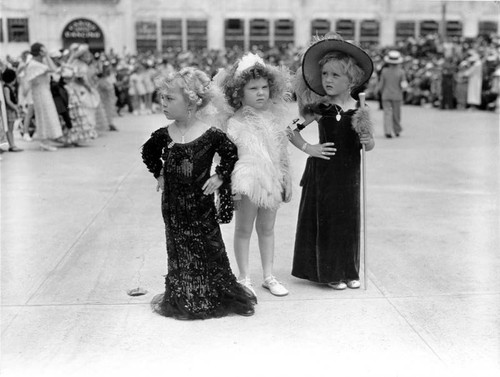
{"x": 199, "y": 283}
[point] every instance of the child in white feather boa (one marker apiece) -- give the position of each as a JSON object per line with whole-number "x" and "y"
{"x": 258, "y": 93}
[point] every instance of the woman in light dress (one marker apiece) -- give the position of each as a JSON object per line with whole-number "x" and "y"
{"x": 38, "y": 73}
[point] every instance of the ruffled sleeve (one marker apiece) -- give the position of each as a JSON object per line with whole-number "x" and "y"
{"x": 152, "y": 151}
{"x": 228, "y": 156}
{"x": 35, "y": 69}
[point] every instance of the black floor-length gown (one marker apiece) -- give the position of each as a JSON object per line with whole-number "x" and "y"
{"x": 199, "y": 283}
{"x": 327, "y": 240}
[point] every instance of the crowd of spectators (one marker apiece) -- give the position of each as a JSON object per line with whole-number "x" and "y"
{"x": 438, "y": 73}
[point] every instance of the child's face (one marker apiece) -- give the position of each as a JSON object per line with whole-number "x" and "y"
{"x": 333, "y": 78}
{"x": 174, "y": 104}
{"x": 256, "y": 93}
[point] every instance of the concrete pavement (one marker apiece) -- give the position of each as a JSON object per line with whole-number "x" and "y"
{"x": 81, "y": 226}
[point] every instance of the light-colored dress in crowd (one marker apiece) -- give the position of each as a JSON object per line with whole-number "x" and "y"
{"x": 46, "y": 117}
{"x": 108, "y": 98}
{"x": 137, "y": 87}
{"x": 3, "y": 120}
{"x": 91, "y": 100}
{"x": 148, "y": 80}
{"x": 25, "y": 97}
{"x": 82, "y": 129}
{"x": 475, "y": 81}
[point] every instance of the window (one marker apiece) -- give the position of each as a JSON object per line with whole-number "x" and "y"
{"x": 428, "y": 27}
{"x": 486, "y": 28}
{"x": 259, "y": 33}
{"x": 369, "y": 33}
{"x": 283, "y": 32}
{"x": 346, "y": 29}
{"x": 453, "y": 29}
{"x": 196, "y": 34}
{"x": 145, "y": 36}
{"x": 405, "y": 30}
{"x": 234, "y": 33}
{"x": 18, "y": 29}
{"x": 171, "y": 34}
{"x": 320, "y": 27}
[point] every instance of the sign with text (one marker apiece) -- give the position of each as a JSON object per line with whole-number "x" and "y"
{"x": 83, "y": 30}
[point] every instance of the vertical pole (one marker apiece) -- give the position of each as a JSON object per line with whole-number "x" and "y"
{"x": 442, "y": 28}
{"x": 363, "y": 192}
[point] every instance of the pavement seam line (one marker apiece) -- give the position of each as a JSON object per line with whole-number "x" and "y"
{"x": 456, "y": 295}
{"x": 415, "y": 331}
{"x": 412, "y": 327}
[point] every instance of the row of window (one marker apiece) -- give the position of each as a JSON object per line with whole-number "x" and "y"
{"x": 259, "y": 31}
{"x": 283, "y": 31}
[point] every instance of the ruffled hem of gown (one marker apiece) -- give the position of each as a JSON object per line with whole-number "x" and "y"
{"x": 234, "y": 300}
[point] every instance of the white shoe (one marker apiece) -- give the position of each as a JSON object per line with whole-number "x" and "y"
{"x": 247, "y": 283}
{"x": 353, "y": 284}
{"x": 27, "y": 137}
{"x": 339, "y": 286}
{"x": 274, "y": 286}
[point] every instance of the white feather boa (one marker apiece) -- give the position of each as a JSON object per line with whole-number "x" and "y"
{"x": 262, "y": 169}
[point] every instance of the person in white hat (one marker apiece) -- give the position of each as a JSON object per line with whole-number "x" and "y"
{"x": 391, "y": 85}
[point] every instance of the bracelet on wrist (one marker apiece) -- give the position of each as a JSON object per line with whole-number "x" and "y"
{"x": 304, "y": 146}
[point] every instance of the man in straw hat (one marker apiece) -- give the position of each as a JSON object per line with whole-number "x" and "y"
{"x": 327, "y": 243}
{"x": 391, "y": 85}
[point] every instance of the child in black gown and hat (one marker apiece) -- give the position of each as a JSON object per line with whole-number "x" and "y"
{"x": 327, "y": 243}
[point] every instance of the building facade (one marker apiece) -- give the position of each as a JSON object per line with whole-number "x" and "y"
{"x": 157, "y": 25}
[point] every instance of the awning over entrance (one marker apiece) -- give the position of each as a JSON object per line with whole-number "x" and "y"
{"x": 83, "y": 30}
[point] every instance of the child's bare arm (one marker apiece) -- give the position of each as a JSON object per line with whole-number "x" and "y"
{"x": 8, "y": 101}
{"x": 212, "y": 184}
{"x": 317, "y": 150}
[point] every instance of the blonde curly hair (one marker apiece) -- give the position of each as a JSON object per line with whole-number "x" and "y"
{"x": 195, "y": 85}
{"x": 233, "y": 83}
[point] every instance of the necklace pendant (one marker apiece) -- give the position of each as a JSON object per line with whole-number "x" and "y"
{"x": 182, "y": 139}
{"x": 338, "y": 116}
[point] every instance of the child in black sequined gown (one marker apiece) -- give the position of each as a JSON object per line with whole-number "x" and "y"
{"x": 199, "y": 283}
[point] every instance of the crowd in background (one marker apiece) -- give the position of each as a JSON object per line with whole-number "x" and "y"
{"x": 439, "y": 74}
{"x": 90, "y": 89}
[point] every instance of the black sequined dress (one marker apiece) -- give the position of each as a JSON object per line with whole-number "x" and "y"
{"x": 199, "y": 283}
{"x": 327, "y": 241}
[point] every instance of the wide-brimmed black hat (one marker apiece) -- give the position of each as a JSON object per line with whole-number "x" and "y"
{"x": 311, "y": 70}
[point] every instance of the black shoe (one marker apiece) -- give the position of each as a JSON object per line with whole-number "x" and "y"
{"x": 112, "y": 127}
{"x": 247, "y": 312}
{"x": 389, "y": 136}
{"x": 397, "y": 135}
